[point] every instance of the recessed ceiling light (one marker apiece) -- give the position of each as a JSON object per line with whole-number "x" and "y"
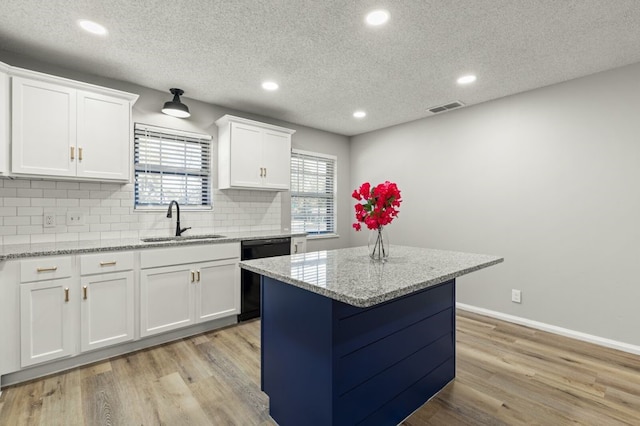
{"x": 377, "y": 17}
{"x": 92, "y": 27}
{"x": 359, "y": 114}
{"x": 466, "y": 79}
{"x": 270, "y": 85}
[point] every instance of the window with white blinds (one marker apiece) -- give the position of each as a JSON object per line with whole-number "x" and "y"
{"x": 313, "y": 205}
{"x": 171, "y": 165}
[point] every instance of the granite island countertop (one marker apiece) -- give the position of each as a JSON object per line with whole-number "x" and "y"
{"x": 16, "y": 251}
{"x": 349, "y": 276}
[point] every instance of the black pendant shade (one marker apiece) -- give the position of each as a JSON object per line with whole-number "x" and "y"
{"x": 176, "y": 108}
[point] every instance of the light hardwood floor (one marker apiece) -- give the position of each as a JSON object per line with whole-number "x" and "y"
{"x": 506, "y": 374}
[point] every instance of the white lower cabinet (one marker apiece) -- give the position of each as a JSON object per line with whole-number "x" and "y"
{"x": 106, "y": 310}
{"x": 177, "y": 296}
{"x": 166, "y": 299}
{"x": 298, "y": 245}
{"x": 107, "y": 291}
{"x": 46, "y": 327}
{"x": 47, "y": 299}
{"x": 55, "y": 308}
{"x": 217, "y": 290}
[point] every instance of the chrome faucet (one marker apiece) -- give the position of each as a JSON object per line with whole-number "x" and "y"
{"x": 179, "y": 231}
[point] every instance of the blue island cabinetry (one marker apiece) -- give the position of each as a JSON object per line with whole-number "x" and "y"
{"x": 342, "y": 365}
{"x": 348, "y": 342}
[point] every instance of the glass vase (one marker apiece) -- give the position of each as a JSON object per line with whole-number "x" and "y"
{"x": 379, "y": 244}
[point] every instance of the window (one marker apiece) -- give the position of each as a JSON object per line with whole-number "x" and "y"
{"x": 171, "y": 165}
{"x": 313, "y": 179}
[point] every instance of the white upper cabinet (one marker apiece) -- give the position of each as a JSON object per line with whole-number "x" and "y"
{"x": 63, "y": 128}
{"x": 253, "y": 155}
{"x": 44, "y": 128}
{"x": 4, "y": 119}
{"x": 103, "y": 137}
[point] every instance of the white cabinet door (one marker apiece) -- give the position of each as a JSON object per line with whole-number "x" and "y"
{"x": 46, "y": 331}
{"x": 104, "y": 149}
{"x": 106, "y": 310}
{"x": 166, "y": 299}
{"x": 43, "y": 128}
{"x": 253, "y": 155}
{"x": 276, "y": 159}
{"x": 298, "y": 245}
{"x": 4, "y": 120}
{"x": 217, "y": 290}
{"x": 246, "y": 148}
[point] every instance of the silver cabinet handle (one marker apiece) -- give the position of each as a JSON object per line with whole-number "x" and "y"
{"x": 51, "y": 268}
{"x": 193, "y": 276}
{"x": 66, "y": 294}
{"x": 84, "y": 292}
{"x": 110, "y": 263}
{"x": 198, "y": 275}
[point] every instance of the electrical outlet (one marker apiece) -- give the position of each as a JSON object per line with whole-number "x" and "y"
{"x": 49, "y": 220}
{"x": 516, "y": 296}
{"x": 75, "y": 218}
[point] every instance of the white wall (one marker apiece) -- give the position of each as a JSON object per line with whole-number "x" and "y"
{"x": 233, "y": 210}
{"x": 549, "y": 179}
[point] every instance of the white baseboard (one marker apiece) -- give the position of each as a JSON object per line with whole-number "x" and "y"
{"x": 613, "y": 344}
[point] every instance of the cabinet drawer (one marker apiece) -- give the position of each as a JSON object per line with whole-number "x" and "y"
{"x": 154, "y": 258}
{"x": 106, "y": 262}
{"x": 45, "y": 268}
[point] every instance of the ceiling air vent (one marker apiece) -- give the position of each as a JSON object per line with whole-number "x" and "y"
{"x": 446, "y": 107}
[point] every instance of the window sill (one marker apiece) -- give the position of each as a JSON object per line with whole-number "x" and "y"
{"x": 164, "y": 208}
{"x": 321, "y": 236}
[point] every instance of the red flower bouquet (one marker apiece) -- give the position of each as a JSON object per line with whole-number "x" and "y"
{"x": 378, "y": 206}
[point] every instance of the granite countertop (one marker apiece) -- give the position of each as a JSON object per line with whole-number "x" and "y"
{"x": 15, "y": 251}
{"x": 349, "y": 276}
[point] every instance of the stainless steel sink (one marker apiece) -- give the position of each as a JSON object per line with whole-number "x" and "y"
{"x": 181, "y": 238}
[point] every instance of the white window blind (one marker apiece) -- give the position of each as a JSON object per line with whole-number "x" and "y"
{"x": 171, "y": 165}
{"x": 313, "y": 178}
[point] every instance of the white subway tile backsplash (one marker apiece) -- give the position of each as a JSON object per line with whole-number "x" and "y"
{"x": 42, "y": 184}
{"x": 43, "y": 202}
{"x": 89, "y": 186}
{"x": 17, "y": 220}
{"x": 108, "y": 211}
{"x": 29, "y": 229}
{"x": 85, "y": 236}
{"x": 67, "y": 236}
{"x": 77, "y": 194}
{"x": 8, "y": 230}
{"x": 16, "y": 239}
{"x": 67, "y": 185}
{"x": 30, "y": 193}
{"x": 17, "y": 202}
{"x": 90, "y": 202}
{"x": 55, "y": 193}
{"x": 100, "y": 227}
{"x": 67, "y": 202}
{"x": 30, "y": 211}
{"x": 44, "y": 238}
{"x": 17, "y": 184}
{"x": 8, "y": 192}
{"x": 110, "y": 219}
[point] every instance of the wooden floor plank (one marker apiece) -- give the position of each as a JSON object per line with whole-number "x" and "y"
{"x": 506, "y": 374}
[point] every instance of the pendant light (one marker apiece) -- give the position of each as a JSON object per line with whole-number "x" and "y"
{"x": 176, "y": 108}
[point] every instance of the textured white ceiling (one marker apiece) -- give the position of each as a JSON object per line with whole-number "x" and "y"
{"x": 327, "y": 61}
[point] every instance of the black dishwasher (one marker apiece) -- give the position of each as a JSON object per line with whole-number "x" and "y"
{"x": 250, "y": 281}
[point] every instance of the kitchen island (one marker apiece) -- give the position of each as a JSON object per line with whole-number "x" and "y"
{"x": 349, "y": 341}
